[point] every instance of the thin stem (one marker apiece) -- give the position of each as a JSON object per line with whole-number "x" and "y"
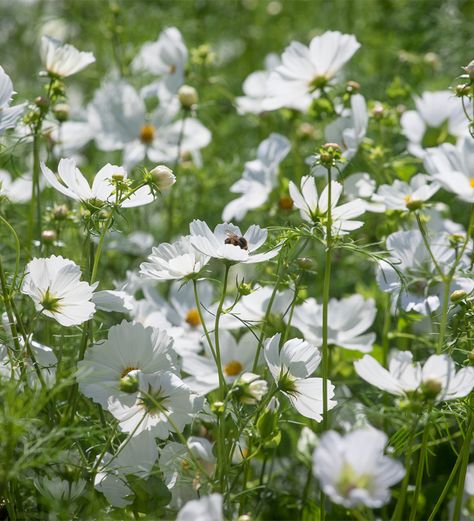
{"x": 465, "y": 451}
{"x": 98, "y": 252}
{"x": 421, "y": 467}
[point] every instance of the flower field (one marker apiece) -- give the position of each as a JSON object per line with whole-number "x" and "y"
{"x": 236, "y": 260}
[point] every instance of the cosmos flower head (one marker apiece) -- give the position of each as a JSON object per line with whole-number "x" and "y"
{"x": 229, "y": 244}
{"x": 8, "y": 115}
{"x": 62, "y": 59}
{"x": 55, "y": 287}
{"x": 351, "y": 480}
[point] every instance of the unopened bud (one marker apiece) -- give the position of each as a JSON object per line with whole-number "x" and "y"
{"x": 41, "y": 102}
{"x": 163, "y": 177}
{"x": 378, "y": 111}
{"x": 48, "y": 235}
{"x": 118, "y": 177}
{"x": 469, "y": 69}
{"x": 285, "y": 203}
{"x": 61, "y": 112}
{"x": 188, "y": 96}
{"x": 217, "y": 407}
{"x": 352, "y": 86}
{"x": 60, "y": 212}
{"x": 458, "y": 294}
{"x": 245, "y": 288}
{"x": 305, "y": 263}
{"x": 431, "y": 388}
{"x": 253, "y": 388}
{"x": 463, "y": 89}
{"x": 329, "y": 153}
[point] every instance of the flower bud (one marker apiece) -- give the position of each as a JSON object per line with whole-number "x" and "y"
{"x": 414, "y": 204}
{"x": 378, "y": 111}
{"x": 253, "y": 388}
{"x": 118, "y": 177}
{"x": 60, "y": 212}
{"x": 217, "y": 407}
{"x": 305, "y": 263}
{"x": 285, "y": 203}
{"x": 129, "y": 382}
{"x": 187, "y": 96}
{"x": 61, "y": 112}
{"x": 463, "y": 89}
{"x": 163, "y": 177}
{"x": 41, "y": 102}
{"x": 329, "y": 153}
{"x": 469, "y": 69}
{"x": 48, "y": 236}
{"x": 352, "y": 86}
{"x": 245, "y": 288}
{"x": 458, "y": 294}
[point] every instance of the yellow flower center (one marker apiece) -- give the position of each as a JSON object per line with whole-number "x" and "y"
{"x": 233, "y": 368}
{"x": 471, "y": 182}
{"x": 147, "y": 134}
{"x": 408, "y": 199}
{"x": 193, "y": 318}
{"x": 127, "y": 370}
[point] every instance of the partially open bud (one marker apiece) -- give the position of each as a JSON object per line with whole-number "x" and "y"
{"x": 188, "y": 96}
{"x": 253, "y": 388}
{"x": 245, "y": 288}
{"x": 431, "y": 388}
{"x": 458, "y": 294}
{"x": 48, "y": 236}
{"x": 329, "y": 153}
{"x": 163, "y": 177}
{"x": 217, "y": 407}
{"x": 61, "y": 111}
{"x": 469, "y": 69}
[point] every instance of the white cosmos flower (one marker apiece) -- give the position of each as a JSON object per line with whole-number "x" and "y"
{"x": 437, "y": 377}
{"x": 228, "y": 243}
{"x": 54, "y": 285}
{"x": 135, "y": 456}
{"x": 207, "y": 508}
{"x": 255, "y": 88}
{"x": 236, "y": 359}
{"x": 163, "y": 404}
{"x": 63, "y": 59}
{"x": 73, "y": 184}
{"x": 420, "y": 291}
{"x": 353, "y": 469}
{"x": 113, "y": 301}
{"x": 175, "y": 261}
{"x": 124, "y": 125}
{"x": 259, "y": 178}
{"x": 314, "y": 207}
{"x": 453, "y": 167}
{"x": 438, "y": 118}
{"x": 304, "y": 70}
{"x": 349, "y": 319}
{"x": 292, "y": 368}
{"x": 56, "y": 489}
{"x": 111, "y": 368}
{"x": 166, "y": 58}
{"x": 15, "y": 190}
{"x": 401, "y": 195}
{"x": 8, "y": 115}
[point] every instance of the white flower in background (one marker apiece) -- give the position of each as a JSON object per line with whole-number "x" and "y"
{"x": 253, "y": 387}
{"x": 165, "y": 58}
{"x": 314, "y": 207}
{"x": 207, "y": 508}
{"x": 54, "y": 285}
{"x": 292, "y": 368}
{"x": 15, "y": 190}
{"x": 438, "y": 118}
{"x": 436, "y": 378}
{"x": 163, "y": 404}
{"x": 407, "y": 196}
{"x": 137, "y": 243}
{"x": 8, "y": 115}
{"x": 469, "y": 481}
{"x": 236, "y": 359}
{"x": 56, "y": 489}
{"x": 453, "y": 167}
{"x": 73, "y": 184}
{"x": 179, "y": 470}
{"x": 252, "y": 308}
{"x": 305, "y": 70}
{"x": 178, "y": 260}
{"x": 362, "y": 186}
{"x": 353, "y": 469}
{"x": 113, "y": 301}
{"x": 228, "y": 243}
{"x": 178, "y": 314}
{"x": 255, "y": 88}
{"x": 62, "y": 59}
{"x": 259, "y": 178}
{"x": 135, "y": 456}
{"x": 420, "y": 291}
{"x": 124, "y": 125}
{"x": 349, "y": 319}
{"x": 111, "y": 368}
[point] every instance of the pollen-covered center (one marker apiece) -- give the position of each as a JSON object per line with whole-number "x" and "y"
{"x": 408, "y": 199}
{"x": 193, "y": 318}
{"x": 147, "y": 134}
{"x": 349, "y": 480}
{"x": 127, "y": 370}
{"x": 471, "y": 182}
{"x": 233, "y": 368}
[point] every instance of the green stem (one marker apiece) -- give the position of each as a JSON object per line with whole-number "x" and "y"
{"x": 465, "y": 451}
{"x": 421, "y": 467}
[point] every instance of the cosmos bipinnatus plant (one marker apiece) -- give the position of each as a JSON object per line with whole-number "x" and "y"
{"x": 169, "y": 350}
